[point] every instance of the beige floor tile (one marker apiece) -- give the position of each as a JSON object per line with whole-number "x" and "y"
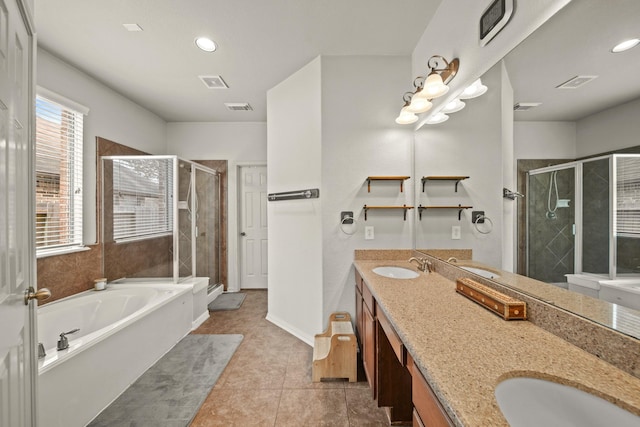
{"x": 238, "y": 408}
{"x": 312, "y": 408}
{"x": 268, "y": 380}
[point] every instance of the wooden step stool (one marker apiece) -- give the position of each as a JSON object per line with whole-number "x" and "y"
{"x": 335, "y": 350}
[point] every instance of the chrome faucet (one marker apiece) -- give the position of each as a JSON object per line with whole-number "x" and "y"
{"x": 423, "y": 264}
{"x": 63, "y": 343}
{"x": 452, "y": 259}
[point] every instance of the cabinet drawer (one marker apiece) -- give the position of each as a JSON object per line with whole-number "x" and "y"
{"x": 369, "y": 301}
{"x": 394, "y": 339}
{"x": 427, "y": 405}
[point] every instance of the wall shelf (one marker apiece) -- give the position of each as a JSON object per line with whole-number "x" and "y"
{"x": 403, "y": 207}
{"x": 387, "y": 178}
{"x": 460, "y": 208}
{"x": 455, "y": 178}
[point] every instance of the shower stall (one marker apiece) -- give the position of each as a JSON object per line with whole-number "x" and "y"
{"x": 160, "y": 218}
{"x": 583, "y": 217}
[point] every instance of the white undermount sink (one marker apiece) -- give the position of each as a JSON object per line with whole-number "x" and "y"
{"x": 532, "y": 402}
{"x": 395, "y": 272}
{"x": 481, "y": 272}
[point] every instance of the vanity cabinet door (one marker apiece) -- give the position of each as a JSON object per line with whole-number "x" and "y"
{"x": 359, "y": 318}
{"x": 428, "y": 409}
{"x": 369, "y": 348}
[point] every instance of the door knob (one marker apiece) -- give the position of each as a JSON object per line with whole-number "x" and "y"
{"x": 40, "y": 295}
{"x": 243, "y": 234}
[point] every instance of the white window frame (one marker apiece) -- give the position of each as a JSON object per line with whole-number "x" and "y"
{"x": 74, "y": 179}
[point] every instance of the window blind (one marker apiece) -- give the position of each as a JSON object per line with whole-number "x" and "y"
{"x": 628, "y": 196}
{"x": 142, "y": 198}
{"x": 58, "y": 175}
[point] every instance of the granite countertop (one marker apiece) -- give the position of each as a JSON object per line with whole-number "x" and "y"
{"x": 464, "y": 350}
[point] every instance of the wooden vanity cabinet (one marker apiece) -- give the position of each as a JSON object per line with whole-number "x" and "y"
{"x": 428, "y": 410}
{"x": 366, "y": 329}
{"x": 394, "y": 377}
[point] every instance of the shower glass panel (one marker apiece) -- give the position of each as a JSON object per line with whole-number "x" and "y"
{"x": 207, "y": 231}
{"x": 551, "y": 223}
{"x": 138, "y": 214}
{"x": 185, "y": 219}
{"x": 596, "y": 196}
{"x": 198, "y": 221}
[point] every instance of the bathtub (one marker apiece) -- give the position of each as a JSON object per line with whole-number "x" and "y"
{"x": 123, "y": 331}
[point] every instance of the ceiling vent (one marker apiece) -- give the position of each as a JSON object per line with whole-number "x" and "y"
{"x": 576, "y": 82}
{"x": 524, "y": 106}
{"x": 238, "y": 106}
{"x": 213, "y": 82}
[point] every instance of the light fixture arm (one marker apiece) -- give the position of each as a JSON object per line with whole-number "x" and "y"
{"x": 448, "y": 72}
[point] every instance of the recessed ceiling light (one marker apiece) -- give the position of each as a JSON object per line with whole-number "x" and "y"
{"x": 206, "y": 44}
{"x": 132, "y": 27}
{"x": 625, "y": 45}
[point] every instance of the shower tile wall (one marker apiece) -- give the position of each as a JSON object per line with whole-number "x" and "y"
{"x": 551, "y": 240}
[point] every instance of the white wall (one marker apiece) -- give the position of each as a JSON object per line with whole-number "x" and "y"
{"x": 111, "y": 116}
{"x": 544, "y": 140}
{"x": 609, "y": 130}
{"x": 468, "y": 144}
{"x": 240, "y": 143}
{"x": 361, "y": 96}
{"x": 294, "y": 134}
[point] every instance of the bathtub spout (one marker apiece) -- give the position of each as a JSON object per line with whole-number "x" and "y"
{"x": 63, "y": 343}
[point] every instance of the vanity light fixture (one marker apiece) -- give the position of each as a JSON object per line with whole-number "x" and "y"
{"x": 474, "y": 90}
{"x": 625, "y": 45}
{"x": 406, "y": 117}
{"x": 437, "y": 118}
{"x": 206, "y": 44}
{"x": 454, "y": 106}
{"x": 435, "y": 84}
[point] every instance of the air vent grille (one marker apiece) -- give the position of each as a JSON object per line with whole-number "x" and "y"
{"x": 213, "y": 82}
{"x": 576, "y": 82}
{"x": 238, "y": 106}
{"x": 524, "y": 106}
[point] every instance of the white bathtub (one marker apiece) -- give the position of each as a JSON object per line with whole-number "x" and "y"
{"x": 123, "y": 331}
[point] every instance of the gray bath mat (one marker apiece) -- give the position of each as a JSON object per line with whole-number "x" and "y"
{"x": 170, "y": 392}
{"x": 227, "y": 301}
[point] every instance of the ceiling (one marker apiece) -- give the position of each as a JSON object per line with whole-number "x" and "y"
{"x": 577, "y": 41}
{"x": 260, "y": 43}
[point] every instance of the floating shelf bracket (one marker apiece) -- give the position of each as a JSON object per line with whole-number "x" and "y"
{"x": 405, "y": 208}
{"x": 457, "y": 179}
{"x": 387, "y": 178}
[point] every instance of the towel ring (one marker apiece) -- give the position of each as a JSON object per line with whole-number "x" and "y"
{"x": 485, "y": 218}
{"x": 354, "y": 225}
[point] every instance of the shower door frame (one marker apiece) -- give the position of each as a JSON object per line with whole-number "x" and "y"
{"x": 577, "y": 211}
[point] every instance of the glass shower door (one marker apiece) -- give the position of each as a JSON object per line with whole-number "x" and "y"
{"x": 207, "y": 218}
{"x": 551, "y": 202}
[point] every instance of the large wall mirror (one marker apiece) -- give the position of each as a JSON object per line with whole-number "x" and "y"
{"x": 562, "y": 149}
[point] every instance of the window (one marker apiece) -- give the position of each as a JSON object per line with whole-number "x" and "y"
{"x": 142, "y": 198}
{"x": 58, "y": 174}
{"x": 628, "y": 196}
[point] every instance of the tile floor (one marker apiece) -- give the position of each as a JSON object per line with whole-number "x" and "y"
{"x": 268, "y": 381}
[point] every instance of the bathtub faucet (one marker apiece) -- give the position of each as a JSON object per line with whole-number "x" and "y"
{"x": 63, "y": 343}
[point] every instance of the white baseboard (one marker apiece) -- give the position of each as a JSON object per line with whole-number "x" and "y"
{"x": 291, "y": 329}
{"x": 200, "y": 320}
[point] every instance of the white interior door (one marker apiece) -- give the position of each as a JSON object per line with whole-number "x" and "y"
{"x": 253, "y": 227}
{"x": 18, "y": 369}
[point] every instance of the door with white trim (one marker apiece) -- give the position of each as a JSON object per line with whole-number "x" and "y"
{"x": 253, "y": 227}
{"x": 18, "y": 369}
